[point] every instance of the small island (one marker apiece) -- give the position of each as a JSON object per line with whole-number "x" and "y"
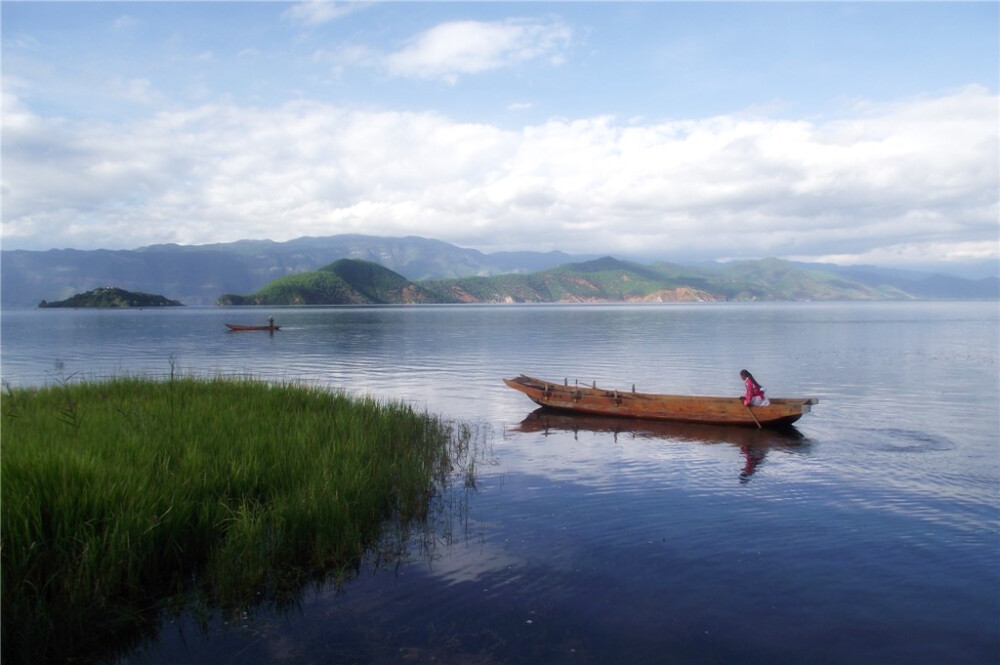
{"x": 110, "y": 296}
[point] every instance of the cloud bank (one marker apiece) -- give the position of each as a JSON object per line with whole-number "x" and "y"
{"x": 915, "y": 180}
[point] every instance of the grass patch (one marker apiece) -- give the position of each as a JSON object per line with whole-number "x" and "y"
{"x": 120, "y": 494}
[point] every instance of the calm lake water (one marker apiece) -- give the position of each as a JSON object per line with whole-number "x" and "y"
{"x": 870, "y": 536}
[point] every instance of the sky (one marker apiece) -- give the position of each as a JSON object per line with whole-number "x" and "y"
{"x": 853, "y": 133}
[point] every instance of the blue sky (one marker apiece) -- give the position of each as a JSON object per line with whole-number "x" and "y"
{"x": 848, "y": 132}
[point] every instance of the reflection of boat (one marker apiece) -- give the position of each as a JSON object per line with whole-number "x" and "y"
{"x": 680, "y": 408}
{"x": 545, "y": 421}
{"x": 237, "y": 328}
{"x": 753, "y": 443}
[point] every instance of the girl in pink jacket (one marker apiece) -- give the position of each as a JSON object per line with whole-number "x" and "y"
{"x": 755, "y": 392}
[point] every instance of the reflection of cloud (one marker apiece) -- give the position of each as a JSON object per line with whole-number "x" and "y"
{"x": 915, "y": 180}
{"x": 465, "y": 561}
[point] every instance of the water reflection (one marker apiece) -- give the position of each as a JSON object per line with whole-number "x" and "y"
{"x": 753, "y": 443}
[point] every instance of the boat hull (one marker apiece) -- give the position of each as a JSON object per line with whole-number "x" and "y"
{"x": 236, "y": 328}
{"x": 782, "y": 412}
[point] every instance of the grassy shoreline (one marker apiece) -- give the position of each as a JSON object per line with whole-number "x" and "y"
{"x": 117, "y": 495}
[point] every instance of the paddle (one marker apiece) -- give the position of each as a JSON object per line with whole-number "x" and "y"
{"x": 753, "y": 416}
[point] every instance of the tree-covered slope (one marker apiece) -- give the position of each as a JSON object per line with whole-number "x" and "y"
{"x": 343, "y": 282}
{"x": 112, "y": 297}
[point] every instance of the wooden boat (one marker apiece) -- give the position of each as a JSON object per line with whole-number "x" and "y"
{"x": 234, "y": 327}
{"x": 678, "y": 408}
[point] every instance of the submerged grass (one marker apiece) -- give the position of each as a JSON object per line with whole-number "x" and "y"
{"x": 119, "y": 494}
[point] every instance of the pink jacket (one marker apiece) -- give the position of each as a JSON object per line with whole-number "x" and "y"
{"x": 753, "y": 391}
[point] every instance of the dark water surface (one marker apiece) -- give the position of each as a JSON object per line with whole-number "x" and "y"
{"x": 871, "y": 535}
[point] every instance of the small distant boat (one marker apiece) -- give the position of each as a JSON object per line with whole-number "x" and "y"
{"x": 234, "y": 327}
{"x": 678, "y": 408}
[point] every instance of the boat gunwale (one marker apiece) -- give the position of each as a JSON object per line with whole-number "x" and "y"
{"x": 540, "y": 384}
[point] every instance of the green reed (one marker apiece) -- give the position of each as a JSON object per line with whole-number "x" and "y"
{"x": 118, "y": 494}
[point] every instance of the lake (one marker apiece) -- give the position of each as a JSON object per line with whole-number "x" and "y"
{"x": 870, "y": 534}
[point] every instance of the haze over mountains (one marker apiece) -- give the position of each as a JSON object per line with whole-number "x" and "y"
{"x": 200, "y": 274}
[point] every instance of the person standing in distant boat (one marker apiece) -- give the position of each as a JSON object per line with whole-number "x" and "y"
{"x": 755, "y": 392}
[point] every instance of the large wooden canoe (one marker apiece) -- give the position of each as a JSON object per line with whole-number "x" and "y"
{"x": 678, "y": 408}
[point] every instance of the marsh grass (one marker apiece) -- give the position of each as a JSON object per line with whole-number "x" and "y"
{"x": 120, "y": 495}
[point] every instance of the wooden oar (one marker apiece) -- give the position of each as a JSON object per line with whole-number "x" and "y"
{"x": 753, "y": 416}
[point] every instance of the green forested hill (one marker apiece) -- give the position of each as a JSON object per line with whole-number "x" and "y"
{"x": 110, "y": 297}
{"x": 343, "y": 282}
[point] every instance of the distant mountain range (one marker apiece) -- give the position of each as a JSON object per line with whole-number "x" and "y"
{"x": 352, "y": 281}
{"x": 201, "y": 274}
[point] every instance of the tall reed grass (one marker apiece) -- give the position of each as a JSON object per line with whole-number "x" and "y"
{"x": 118, "y": 494}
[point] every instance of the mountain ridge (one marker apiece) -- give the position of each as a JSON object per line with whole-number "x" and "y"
{"x": 607, "y": 279}
{"x": 200, "y": 274}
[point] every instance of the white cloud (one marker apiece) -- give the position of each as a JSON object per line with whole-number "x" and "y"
{"x": 917, "y": 178}
{"x": 312, "y": 13}
{"x": 452, "y": 49}
{"x": 914, "y": 254}
{"x": 22, "y": 42}
{"x": 138, "y": 91}
{"x": 345, "y": 56}
{"x": 125, "y": 22}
